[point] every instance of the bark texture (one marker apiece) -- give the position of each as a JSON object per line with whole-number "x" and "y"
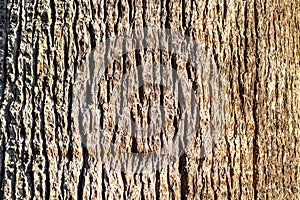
{"x": 255, "y": 45}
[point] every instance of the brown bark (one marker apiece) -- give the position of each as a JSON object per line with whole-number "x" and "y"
{"x": 255, "y": 45}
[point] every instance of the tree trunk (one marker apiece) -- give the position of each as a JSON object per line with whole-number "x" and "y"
{"x": 45, "y": 45}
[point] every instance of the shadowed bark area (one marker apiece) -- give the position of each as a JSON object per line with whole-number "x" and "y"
{"x": 44, "y": 45}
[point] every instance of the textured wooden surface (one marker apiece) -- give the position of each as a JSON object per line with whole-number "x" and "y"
{"x": 255, "y": 45}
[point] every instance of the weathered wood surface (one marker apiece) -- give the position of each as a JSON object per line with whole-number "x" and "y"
{"x": 255, "y": 45}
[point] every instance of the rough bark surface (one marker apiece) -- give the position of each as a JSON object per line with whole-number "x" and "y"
{"x": 255, "y": 45}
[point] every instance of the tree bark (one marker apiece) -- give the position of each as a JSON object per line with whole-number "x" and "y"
{"x": 44, "y": 45}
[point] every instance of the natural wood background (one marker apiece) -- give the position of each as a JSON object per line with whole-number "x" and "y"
{"x": 255, "y": 45}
